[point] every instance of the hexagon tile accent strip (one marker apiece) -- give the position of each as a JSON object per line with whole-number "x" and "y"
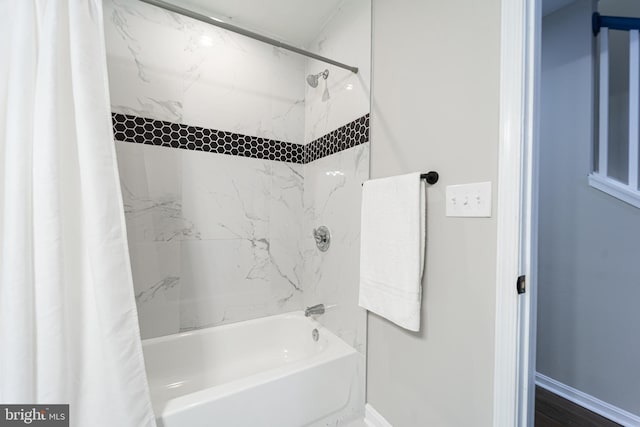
{"x": 347, "y": 136}
{"x": 129, "y": 128}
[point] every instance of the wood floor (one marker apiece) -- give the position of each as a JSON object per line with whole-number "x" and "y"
{"x": 555, "y": 411}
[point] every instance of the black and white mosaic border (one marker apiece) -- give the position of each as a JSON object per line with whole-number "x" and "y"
{"x": 141, "y": 130}
{"x": 129, "y": 128}
{"x": 347, "y": 136}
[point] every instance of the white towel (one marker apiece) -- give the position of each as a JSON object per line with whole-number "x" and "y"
{"x": 392, "y": 248}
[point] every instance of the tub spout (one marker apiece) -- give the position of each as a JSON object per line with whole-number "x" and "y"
{"x": 314, "y": 310}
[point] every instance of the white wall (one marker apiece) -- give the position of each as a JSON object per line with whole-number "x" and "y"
{"x": 588, "y": 241}
{"x": 435, "y": 93}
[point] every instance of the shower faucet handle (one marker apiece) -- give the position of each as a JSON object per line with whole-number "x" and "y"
{"x": 322, "y": 237}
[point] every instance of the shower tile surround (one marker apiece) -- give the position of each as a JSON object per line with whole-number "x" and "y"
{"x": 254, "y": 251}
{"x": 220, "y": 228}
{"x": 226, "y": 169}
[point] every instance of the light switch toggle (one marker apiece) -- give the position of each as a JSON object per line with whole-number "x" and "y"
{"x": 469, "y": 200}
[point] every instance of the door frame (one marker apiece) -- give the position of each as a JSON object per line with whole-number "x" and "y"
{"x": 515, "y": 324}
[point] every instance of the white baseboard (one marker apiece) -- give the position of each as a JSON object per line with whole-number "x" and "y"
{"x": 585, "y": 400}
{"x": 373, "y": 417}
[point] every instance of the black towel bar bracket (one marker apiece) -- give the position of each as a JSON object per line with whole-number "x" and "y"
{"x": 431, "y": 177}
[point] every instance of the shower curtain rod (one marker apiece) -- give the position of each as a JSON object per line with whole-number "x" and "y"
{"x": 191, "y": 14}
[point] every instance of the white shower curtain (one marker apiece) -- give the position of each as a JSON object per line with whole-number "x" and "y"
{"x": 68, "y": 321}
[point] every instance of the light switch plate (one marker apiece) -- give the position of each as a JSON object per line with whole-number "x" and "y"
{"x": 469, "y": 200}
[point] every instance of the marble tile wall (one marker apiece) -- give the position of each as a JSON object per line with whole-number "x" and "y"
{"x": 168, "y": 67}
{"x": 216, "y": 238}
{"x": 345, "y": 38}
{"x": 213, "y": 238}
{"x": 333, "y": 189}
{"x": 332, "y": 184}
{"x": 332, "y": 197}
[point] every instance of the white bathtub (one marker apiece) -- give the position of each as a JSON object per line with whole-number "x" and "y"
{"x": 264, "y": 372}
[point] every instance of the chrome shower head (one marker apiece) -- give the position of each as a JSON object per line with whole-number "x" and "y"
{"x": 312, "y": 79}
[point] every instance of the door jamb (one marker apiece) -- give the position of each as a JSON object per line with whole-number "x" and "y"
{"x": 514, "y": 363}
